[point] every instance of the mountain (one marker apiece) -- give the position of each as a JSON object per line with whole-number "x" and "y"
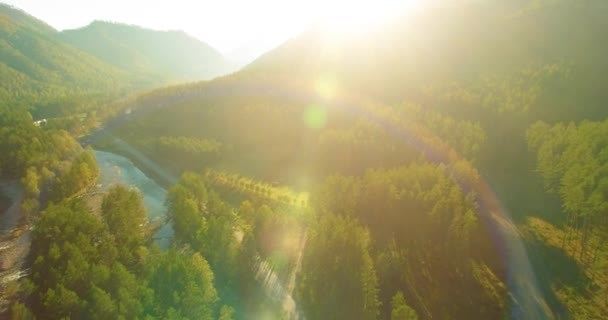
{"x": 25, "y": 20}
{"x": 53, "y": 73}
{"x": 472, "y": 62}
{"x": 35, "y": 67}
{"x": 460, "y": 43}
{"x": 455, "y": 87}
{"x": 169, "y": 55}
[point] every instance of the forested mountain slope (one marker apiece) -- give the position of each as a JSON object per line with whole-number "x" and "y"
{"x": 166, "y": 55}
{"x": 465, "y": 44}
{"x": 24, "y": 19}
{"x": 435, "y": 149}
{"x": 386, "y": 127}
{"x": 502, "y": 66}
{"x": 47, "y": 77}
{"x": 56, "y": 74}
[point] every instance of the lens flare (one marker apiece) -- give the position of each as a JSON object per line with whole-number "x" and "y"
{"x": 527, "y": 299}
{"x": 315, "y": 117}
{"x": 326, "y": 86}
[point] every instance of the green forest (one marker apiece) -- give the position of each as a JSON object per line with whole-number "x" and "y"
{"x": 452, "y": 165}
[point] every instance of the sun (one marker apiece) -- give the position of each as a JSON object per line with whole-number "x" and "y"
{"x": 344, "y": 17}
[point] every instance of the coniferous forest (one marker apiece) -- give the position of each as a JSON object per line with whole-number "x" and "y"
{"x": 448, "y": 165}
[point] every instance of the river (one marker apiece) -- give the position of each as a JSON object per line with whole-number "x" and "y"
{"x": 115, "y": 169}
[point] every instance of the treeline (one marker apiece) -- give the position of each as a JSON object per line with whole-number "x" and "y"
{"x": 387, "y": 233}
{"x": 390, "y": 233}
{"x": 102, "y": 267}
{"x": 351, "y": 139}
{"x": 50, "y": 164}
{"x": 573, "y": 161}
{"x": 49, "y": 77}
{"x": 102, "y": 263}
{"x": 183, "y": 151}
{"x": 232, "y": 240}
{"x": 428, "y": 244}
{"x": 408, "y": 232}
{"x": 256, "y": 189}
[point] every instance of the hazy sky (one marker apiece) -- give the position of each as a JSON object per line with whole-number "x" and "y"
{"x": 224, "y": 24}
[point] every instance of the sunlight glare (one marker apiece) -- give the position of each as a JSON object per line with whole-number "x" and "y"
{"x": 315, "y": 117}
{"x": 325, "y": 86}
{"x": 344, "y": 17}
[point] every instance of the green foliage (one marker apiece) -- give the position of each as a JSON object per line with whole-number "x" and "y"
{"x": 188, "y": 146}
{"x": 78, "y": 269}
{"x": 44, "y": 159}
{"x": 226, "y": 313}
{"x": 160, "y": 55}
{"x": 207, "y": 224}
{"x": 424, "y": 241}
{"x": 467, "y": 137}
{"x": 259, "y": 190}
{"x": 125, "y": 215}
{"x": 32, "y": 150}
{"x": 82, "y": 173}
{"x": 451, "y": 86}
{"x": 338, "y": 279}
{"x": 70, "y": 246}
{"x": 38, "y": 69}
{"x": 187, "y": 208}
{"x": 573, "y": 160}
{"x": 400, "y": 310}
{"x": 183, "y": 287}
{"x": 20, "y": 312}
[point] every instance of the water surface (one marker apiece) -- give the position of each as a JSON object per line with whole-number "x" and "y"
{"x": 115, "y": 169}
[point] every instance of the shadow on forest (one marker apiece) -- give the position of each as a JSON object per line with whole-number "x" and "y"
{"x": 555, "y": 269}
{"x": 5, "y": 202}
{"x": 522, "y": 193}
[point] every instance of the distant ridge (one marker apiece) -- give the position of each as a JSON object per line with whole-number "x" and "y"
{"x": 37, "y": 68}
{"x": 170, "y": 55}
{"x": 24, "y": 19}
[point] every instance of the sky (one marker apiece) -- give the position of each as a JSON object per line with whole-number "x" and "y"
{"x": 227, "y": 25}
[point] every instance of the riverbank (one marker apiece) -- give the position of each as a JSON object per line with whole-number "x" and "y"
{"x": 277, "y": 289}
{"x": 14, "y": 242}
{"x": 116, "y": 169}
{"x": 150, "y": 168}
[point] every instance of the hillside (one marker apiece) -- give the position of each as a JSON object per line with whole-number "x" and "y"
{"x": 474, "y": 63}
{"x": 38, "y": 71}
{"x": 450, "y": 164}
{"x": 56, "y": 74}
{"x": 379, "y": 127}
{"x": 167, "y": 55}
{"x": 462, "y": 44}
{"x": 25, "y": 20}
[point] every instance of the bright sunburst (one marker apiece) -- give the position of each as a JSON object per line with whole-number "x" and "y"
{"x": 356, "y": 16}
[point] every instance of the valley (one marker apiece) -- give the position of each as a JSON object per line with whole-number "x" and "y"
{"x": 451, "y": 164}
